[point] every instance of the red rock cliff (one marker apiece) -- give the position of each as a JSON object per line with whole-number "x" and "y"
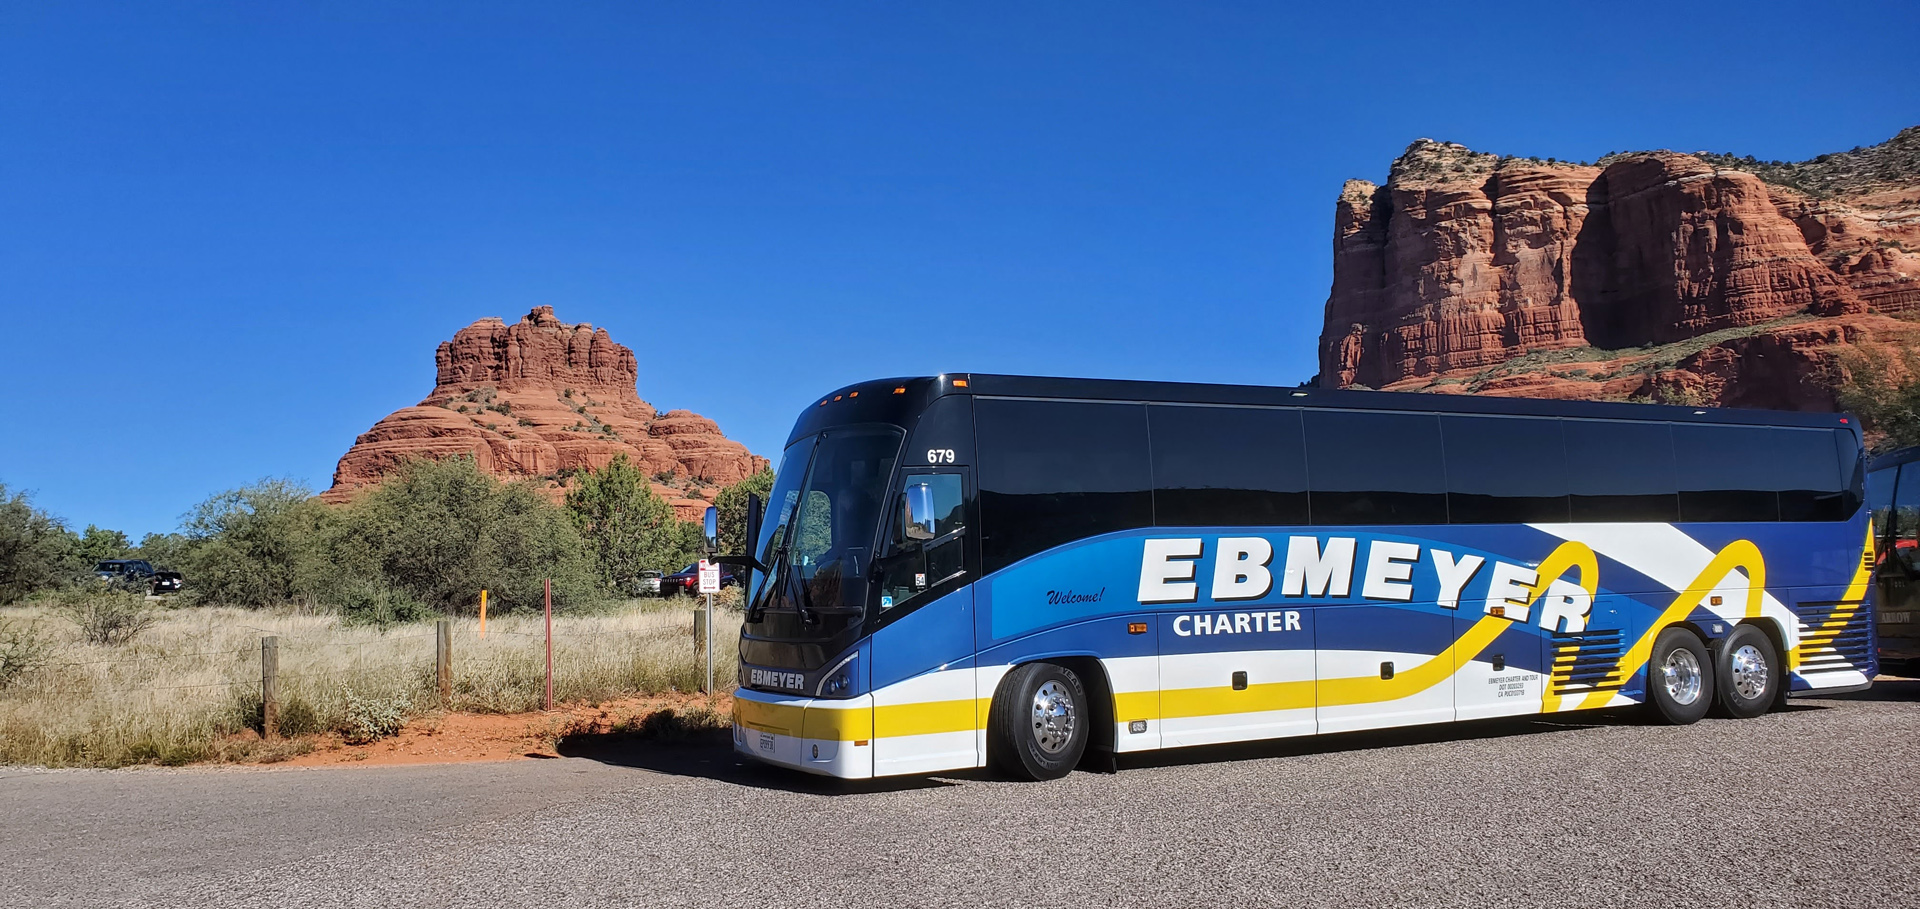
{"x": 542, "y": 398}
{"x": 1702, "y": 278}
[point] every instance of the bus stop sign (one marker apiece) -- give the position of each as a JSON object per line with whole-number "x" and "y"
{"x": 709, "y": 577}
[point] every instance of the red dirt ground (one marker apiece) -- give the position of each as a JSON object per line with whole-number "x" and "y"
{"x": 449, "y": 738}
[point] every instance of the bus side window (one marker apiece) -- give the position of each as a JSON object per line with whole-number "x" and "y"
{"x": 1505, "y": 470}
{"x": 1052, "y": 472}
{"x": 1235, "y": 466}
{"x": 1906, "y": 516}
{"x": 925, "y": 547}
{"x": 1727, "y": 473}
{"x": 1368, "y": 467}
{"x": 1621, "y": 471}
{"x": 1880, "y": 504}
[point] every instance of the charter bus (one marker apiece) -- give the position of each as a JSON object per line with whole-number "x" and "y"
{"x": 1893, "y": 493}
{"x": 972, "y": 570}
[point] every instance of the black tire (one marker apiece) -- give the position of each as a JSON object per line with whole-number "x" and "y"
{"x": 1746, "y": 659}
{"x": 1683, "y": 695}
{"x": 1028, "y": 740}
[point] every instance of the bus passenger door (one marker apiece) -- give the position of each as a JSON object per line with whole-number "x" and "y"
{"x": 923, "y": 651}
{"x": 1382, "y": 666}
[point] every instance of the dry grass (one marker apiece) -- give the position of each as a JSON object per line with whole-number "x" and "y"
{"x": 188, "y": 688}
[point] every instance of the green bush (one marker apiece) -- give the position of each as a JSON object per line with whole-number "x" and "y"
{"x": 23, "y": 649}
{"x": 370, "y": 719}
{"x": 1883, "y": 390}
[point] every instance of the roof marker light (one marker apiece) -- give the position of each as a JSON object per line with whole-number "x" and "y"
{"x": 900, "y": 390}
{"x": 1843, "y": 419}
{"x": 1299, "y": 394}
{"x": 959, "y": 383}
{"x": 853, "y": 394}
{"x": 838, "y": 397}
{"x": 823, "y": 402}
{"x": 1699, "y": 412}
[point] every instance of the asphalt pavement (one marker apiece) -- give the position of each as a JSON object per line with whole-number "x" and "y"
{"x": 1815, "y": 806}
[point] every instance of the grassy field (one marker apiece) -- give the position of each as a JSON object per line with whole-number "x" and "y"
{"x": 187, "y": 689}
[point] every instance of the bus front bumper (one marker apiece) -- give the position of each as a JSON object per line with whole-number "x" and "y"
{"x": 815, "y": 735}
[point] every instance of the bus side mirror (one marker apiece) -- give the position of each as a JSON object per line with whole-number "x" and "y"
{"x": 710, "y": 528}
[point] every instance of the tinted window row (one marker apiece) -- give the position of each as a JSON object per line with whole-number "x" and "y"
{"x": 1055, "y": 471}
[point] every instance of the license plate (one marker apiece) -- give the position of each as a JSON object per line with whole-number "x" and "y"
{"x": 1895, "y": 618}
{"x": 766, "y": 742}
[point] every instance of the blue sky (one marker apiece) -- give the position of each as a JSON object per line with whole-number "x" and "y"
{"x": 231, "y": 235}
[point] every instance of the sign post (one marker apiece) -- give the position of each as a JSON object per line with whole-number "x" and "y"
{"x": 709, "y": 585}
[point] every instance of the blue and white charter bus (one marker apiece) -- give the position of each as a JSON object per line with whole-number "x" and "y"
{"x": 967, "y": 570}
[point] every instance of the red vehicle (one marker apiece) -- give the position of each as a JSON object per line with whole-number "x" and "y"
{"x": 687, "y": 580}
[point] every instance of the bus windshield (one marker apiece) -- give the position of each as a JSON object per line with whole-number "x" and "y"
{"x": 823, "y": 513}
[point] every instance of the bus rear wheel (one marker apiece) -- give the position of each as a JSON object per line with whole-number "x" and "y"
{"x": 1680, "y": 678}
{"x": 1038, "y": 724}
{"x": 1748, "y": 673}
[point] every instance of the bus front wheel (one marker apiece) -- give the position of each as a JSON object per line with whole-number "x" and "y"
{"x": 1680, "y": 677}
{"x": 1748, "y": 673}
{"x": 1038, "y": 724}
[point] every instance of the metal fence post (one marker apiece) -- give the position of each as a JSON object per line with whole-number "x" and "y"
{"x": 443, "y": 660}
{"x": 547, "y": 702}
{"x": 270, "y": 687}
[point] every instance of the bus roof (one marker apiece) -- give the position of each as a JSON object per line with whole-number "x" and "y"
{"x": 894, "y": 400}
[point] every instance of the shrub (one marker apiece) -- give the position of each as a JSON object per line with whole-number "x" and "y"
{"x": 1883, "y": 390}
{"x": 370, "y": 719}
{"x": 297, "y": 717}
{"x": 23, "y": 649}
{"x": 109, "y": 617}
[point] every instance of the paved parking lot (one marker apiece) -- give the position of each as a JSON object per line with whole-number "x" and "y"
{"x": 1816, "y": 806}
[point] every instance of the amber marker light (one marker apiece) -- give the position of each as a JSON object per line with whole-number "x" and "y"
{"x": 853, "y": 394}
{"x": 1136, "y": 628}
{"x": 959, "y": 383}
{"x": 900, "y": 389}
{"x": 838, "y": 397}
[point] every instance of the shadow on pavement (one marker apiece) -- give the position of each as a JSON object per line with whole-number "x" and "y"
{"x": 1884, "y": 689}
{"x": 710, "y": 755}
{"x": 1380, "y": 738}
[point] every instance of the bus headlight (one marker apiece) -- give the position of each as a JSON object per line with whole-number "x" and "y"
{"x": 838, "y": 682}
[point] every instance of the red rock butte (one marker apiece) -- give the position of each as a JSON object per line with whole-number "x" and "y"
{"x": 540, "y": 400}
{"x": 1701, "y": 279}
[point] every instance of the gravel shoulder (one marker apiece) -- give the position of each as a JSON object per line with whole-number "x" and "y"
{"x": 1814, "y": 806}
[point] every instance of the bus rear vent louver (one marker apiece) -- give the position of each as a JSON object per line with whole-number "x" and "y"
{"x": 1834, "y": 635}
{"x": 1586, "y": 661}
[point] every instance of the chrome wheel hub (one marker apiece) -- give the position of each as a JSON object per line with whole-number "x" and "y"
{"x": 1053, "y": 717}
{"x": 1749, "y": 672}
{"x": 1681, "y": 676}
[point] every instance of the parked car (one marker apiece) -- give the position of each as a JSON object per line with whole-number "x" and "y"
{"x": 650, "y": 582}
{"x": 139, "y": 573}
{"x": 687, "y": 580}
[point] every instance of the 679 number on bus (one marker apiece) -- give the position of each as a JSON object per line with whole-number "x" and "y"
{"x": 940, "y": 456}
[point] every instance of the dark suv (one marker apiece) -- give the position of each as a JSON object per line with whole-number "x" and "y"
{"x": 139, "y": 572}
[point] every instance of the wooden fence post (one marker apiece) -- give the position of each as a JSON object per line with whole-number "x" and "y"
{"x": 270, "y": 687}
{"x": 443, "y": 660}
{"x": 546, "y": 703}
{"x": 699, "y": 628}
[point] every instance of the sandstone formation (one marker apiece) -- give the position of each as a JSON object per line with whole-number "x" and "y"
{"x": 541, "y": 400}
{"x": 1699, "y": 278}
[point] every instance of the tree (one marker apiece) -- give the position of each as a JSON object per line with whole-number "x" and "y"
{"x": 626, "y": 527}
{"x": 36, "y": 550}
{"x": 98, "y": 544}
{"x": 258, "y": 545}
{"x": 732, "y": 505}
{"x": 438, "y": 532}
{"x": 1883, "y": 390}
